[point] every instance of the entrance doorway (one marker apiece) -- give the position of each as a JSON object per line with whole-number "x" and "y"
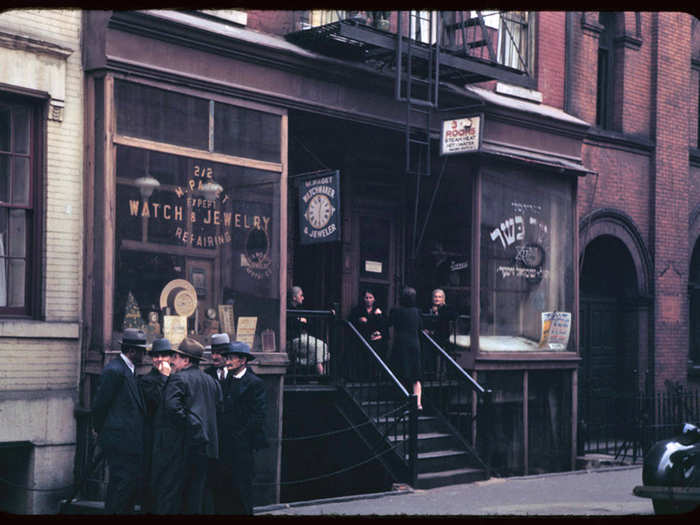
{"x": 608, "y": 377}
{"x": 374, "y": 254}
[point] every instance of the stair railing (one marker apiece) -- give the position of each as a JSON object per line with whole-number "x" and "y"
{"x": 458, "y": 399}
{"x": 311, "y": 335}
{"x": 383, "y": 398}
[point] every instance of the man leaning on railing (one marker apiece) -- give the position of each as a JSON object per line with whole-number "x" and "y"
{"x": 307, "y": 350}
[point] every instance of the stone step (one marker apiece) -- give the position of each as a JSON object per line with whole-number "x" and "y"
{"x": 429, "y": 480}
{"x": 439, "y": 460}
{"x": 429, "y": 441}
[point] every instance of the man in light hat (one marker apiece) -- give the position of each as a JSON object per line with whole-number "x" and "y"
{"x": 118, "y": 417}
{"x": 242, "y": 431}
{"x": 185, "y": 433}
{"x": 151, "y": 386}
{"x": 219, "y": 347}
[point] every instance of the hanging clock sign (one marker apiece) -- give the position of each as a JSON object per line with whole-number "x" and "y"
{"x": 319, "y": 208}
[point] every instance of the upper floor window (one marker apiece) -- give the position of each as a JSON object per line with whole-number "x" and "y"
{"x": 18, "y": 207}
{"x": 606, "y": 69}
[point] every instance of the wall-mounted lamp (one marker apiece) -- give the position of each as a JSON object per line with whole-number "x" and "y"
{"x": 146, "y": 185}
{"x": 210, "y": 190}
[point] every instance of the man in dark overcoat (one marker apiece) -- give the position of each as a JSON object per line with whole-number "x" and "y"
{"x": 118, "y": 417}
{"x": 185, "y": 434}
{"x": 219, "y": 347}
{"x": 151, "y": 386}
{"x": 242, "y": 424}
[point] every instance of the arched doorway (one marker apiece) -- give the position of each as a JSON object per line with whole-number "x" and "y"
{"x": 609, "y": 342}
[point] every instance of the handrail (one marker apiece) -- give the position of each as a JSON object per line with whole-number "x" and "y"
{"x": 371, "y": 395}
{"x": 298, "y": 312}
{"x": 454, "y": 363}
{"x": 381, "y": 362}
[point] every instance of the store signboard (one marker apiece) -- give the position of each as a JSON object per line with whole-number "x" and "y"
{"x": 461, "y": 135}
{"x": 319, "y": 208}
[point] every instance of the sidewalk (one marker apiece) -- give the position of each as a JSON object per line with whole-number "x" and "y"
{"x": 605, "y": 491}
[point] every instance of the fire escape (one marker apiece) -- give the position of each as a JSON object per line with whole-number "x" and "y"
{"x": 423, "y": 50}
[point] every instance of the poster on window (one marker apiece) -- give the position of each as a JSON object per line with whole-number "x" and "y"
{"x": 556, "y": 327}
{"x": 319, "y": 208}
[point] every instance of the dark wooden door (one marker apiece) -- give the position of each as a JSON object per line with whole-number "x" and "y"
{"x": 602, "y": 357}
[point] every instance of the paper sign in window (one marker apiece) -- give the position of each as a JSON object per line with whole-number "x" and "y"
{"x": 373, "y": 266}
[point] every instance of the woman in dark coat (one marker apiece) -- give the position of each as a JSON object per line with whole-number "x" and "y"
{"x": 405, "y": 353}
{"x": 369, "y": 321}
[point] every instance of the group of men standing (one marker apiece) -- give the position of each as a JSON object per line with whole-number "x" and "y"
{"x": 180, "y": 440}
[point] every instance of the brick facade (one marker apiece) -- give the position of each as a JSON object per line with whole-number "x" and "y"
{"x": 41, "y": 357}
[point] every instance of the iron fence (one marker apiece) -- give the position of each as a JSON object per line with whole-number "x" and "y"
{"x": 625, "y": 426}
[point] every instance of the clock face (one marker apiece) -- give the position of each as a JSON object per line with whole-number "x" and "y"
{"x": 319, "y": 211}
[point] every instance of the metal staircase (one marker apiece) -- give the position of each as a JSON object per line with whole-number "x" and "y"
{"x": 430, "y": 448}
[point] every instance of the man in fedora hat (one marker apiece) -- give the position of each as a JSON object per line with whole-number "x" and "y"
{"x": 242, "y": 431}
{"x": 219, "y": 347}
{"x": 118, "y": 416}
{"x": 185, "y": 433}
{"x": 152, "y": 389}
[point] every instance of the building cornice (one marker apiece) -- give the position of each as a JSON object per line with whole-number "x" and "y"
{"x": 612, "y": 139}
{"x": 32, "y": 45}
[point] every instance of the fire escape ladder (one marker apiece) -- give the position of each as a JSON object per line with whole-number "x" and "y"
{"x": 417, "y": 84}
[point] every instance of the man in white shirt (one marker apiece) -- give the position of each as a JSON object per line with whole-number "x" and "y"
{"x": 219, "y": 349}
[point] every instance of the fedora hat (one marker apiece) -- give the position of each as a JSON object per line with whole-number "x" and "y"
{"x": 240, "y": 348}
{"x": 134, "y": 338}
{"x": 161, "y": 346}
{"x": 219, "y": 343}
{"x": 190, "y": 348}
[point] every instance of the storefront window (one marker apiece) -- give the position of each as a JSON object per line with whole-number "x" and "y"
{"x": 526, "y": 262}
{"x": 208, "y": 219}
{"x": 163, "y": 116}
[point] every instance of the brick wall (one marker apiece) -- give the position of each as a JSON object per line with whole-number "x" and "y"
{"x": 41, "y": 358}
{"x": 550, "y": 57}
{"x": 278, "y": 22}
{"x": 671, "y": 104}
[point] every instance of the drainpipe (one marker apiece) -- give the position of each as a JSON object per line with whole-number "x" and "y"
{"x": 569, "y": 57}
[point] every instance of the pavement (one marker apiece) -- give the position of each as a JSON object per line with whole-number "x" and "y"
{"x": 602, "y": 491}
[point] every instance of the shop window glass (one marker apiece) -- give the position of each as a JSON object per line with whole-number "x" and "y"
{"x": 246, "y": 133}
{"x": 526, "y": 262}
{"x": 226, "y": 244}
{"x": 160, "y": 115}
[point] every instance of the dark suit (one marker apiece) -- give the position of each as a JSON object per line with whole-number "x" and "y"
{"x": 185, "y": 440}
{"x": 242, "y": 425}
{"x": 213, "y": 372}
{"x": 118, "y": 417}
{"x": 152, "y": 390}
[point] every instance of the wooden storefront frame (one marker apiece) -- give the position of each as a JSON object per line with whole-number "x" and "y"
{"x": 106, "y": 208}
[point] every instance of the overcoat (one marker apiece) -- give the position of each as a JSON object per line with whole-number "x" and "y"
{"x": 185, "y": 436}
{"x": 405, "y": 352}
{"x": 242, "y": 424}
{"x": 118, "y": 410}
{"x": 118, "y": 417}
{"x": 151, "y": 385}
